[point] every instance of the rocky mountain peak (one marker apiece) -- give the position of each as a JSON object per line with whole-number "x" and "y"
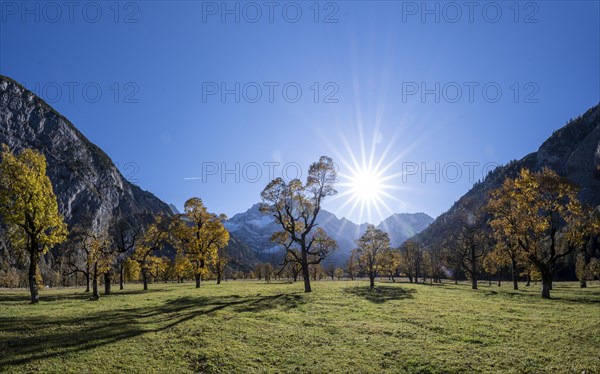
{"x": 572, "y": 151}
{"x": 88, "y": 185}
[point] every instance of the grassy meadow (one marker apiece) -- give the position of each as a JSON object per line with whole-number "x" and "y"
{"x": 248, "y": 326}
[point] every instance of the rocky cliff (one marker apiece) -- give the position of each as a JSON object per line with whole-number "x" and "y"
{"x": 90, "y": 189}
{"x": 402, "y": 226}
{"x": 572, "y": 151}
{"x": 84, "y": 178}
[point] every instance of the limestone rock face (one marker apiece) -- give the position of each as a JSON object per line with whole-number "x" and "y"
{"x": 84, "y": 178}
{"x": 90, "y": 189}
{"x": 574, "y": 152}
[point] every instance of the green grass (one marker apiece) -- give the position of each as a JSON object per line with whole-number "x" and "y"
{"x": 340, "y": 327}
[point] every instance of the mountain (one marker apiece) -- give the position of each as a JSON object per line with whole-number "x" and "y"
{"x": 253, "y": 228}
{"x": 572, "y": 151}
{"x": 240, "y": 254}
{"x": 402, "y": 226}
{"x": 85, "y": 180}
{"x": 256, "y": 228}
{"x": 174, "y": 209}
{"x": 89, "y": 187}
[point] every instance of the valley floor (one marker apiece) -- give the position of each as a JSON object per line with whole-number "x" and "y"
{"x": 247, "y": 326}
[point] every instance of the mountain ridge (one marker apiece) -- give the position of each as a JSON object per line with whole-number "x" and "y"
{"x": 256, "y": 228}
{"x": 573, "y": 151}
{"x": 90, "y": 190}
{"x": 86, "y": 181}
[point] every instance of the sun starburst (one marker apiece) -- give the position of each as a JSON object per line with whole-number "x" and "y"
{"x": 368, "y": 186}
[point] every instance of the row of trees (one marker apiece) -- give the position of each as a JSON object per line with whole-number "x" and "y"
{"x": 33, "y": 224}
{"x": 530, "y": 224}
{"x": 197, "y": 236}
{"x": 374, "y": 257}
{"x": 537, "y": 220}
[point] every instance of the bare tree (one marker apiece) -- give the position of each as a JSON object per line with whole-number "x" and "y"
{"x": 411, "y": 260}
{"x": 125, "y": 236}
{"x": 330, "y": 270}
{"x": 295, "y": 207}
{"x": 76, "y": 253}
{"x": 467, "y": 246}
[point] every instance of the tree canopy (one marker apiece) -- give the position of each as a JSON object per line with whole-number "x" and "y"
{"x": 541, "y": 213}
{"x": 295, "y": 207}
{"x": 29, "y": 208}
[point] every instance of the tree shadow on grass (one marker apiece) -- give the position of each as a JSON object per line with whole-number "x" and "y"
{"x": 566, "y": 295}
{"x": 25, "y": 298}
{"x": 576, "y": 300}
{"x": 381, "y": 294}
{"x": 419, "y": 283}
{"x": 138, "y": 291}
{"x": 27, "y": 339}
{"x": 75, "y": 295}
{"x": 285, "y": 301}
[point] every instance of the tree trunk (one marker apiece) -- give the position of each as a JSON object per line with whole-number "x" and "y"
{"x": 95, "y": 295}
{"x": 474, "y": 268}
{"x": 371, "y": 281}
{"x": 586, "y": 261}
{"x": 33, "y": 289}
{"x": 528, "y": 280}
{"x": 107, "y": 283}
{"x": 410, "y": 278}
{"x": 546, "y": 287}
{"x": 145, "y": 280}
{"x": 514, "y": 274}
{"x": 546, "y": 284}
{"x": 305, "y": 272}
{"x": 393, "y": 279}
{"x": 121, "y": 277}
{"x": 197, "y": 277}
{"x": 218, "y": 279}
{"x": 87, "y": 281}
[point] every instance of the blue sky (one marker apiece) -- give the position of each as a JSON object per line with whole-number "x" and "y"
{"x": 143, "y": 80}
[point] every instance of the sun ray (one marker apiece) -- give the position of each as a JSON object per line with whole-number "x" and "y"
{"x": 370, "y": 174}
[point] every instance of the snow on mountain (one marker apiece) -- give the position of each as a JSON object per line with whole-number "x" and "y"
{"x": 256, "y": 228}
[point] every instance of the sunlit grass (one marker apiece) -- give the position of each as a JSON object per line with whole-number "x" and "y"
{"x": 341, "y": 327}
